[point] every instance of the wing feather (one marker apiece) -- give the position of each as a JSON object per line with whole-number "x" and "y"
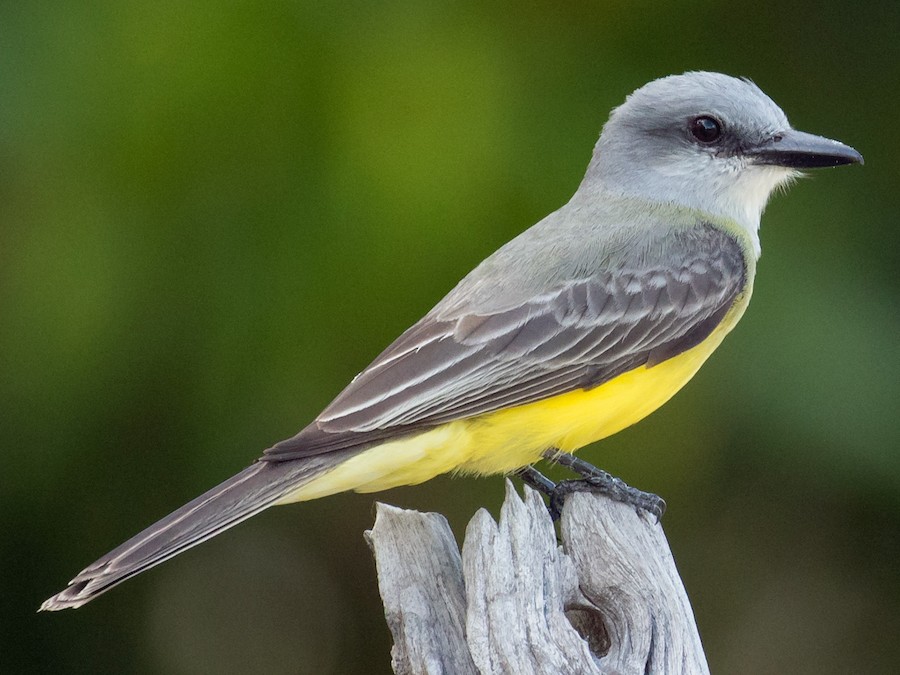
{"x": 577, "y": 334}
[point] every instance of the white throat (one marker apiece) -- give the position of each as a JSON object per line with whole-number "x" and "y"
{"x": 729, "y": 188}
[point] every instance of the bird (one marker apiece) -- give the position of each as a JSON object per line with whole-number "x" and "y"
{"x": 577, "y": 328}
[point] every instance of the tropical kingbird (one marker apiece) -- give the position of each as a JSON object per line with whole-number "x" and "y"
{"x": 577, "y": 328}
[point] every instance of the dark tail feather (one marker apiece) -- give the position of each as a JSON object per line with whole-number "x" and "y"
{"x": 246, "y": 494}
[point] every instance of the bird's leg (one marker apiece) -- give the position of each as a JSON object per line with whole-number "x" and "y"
{"x": 597, "y": 480}
{"x": 534, "y": 478}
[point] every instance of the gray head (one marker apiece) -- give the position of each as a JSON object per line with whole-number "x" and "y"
{"x": 707, "y": 141}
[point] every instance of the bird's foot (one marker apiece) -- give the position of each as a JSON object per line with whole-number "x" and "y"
{"x": 612, "y": 487}
{"x": 592, "y": 480}
{"x": 597, "y": 480}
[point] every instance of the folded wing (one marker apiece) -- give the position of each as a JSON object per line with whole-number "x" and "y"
{"x": 576, "y": 335}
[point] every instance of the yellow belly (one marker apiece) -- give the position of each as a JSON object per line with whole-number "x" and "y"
{"x": 506, "y": 440}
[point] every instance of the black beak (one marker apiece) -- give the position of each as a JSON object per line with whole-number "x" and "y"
{"x": 799, "y": 150}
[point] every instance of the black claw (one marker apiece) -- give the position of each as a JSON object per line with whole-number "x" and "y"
{"x": 612, "y": 487}
{"x": 597, "y": 480}
{"x": 592, "y": 480}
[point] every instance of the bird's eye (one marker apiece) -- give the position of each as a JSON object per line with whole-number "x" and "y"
{"x": 706, "y": 129}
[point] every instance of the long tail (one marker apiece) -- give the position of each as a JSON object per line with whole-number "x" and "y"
{"x": 246, "y": 494}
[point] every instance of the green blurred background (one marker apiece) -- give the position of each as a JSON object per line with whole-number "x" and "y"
{"x": 212, "y": 215}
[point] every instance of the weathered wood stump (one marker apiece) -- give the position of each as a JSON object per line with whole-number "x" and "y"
{"x": 607, "y": 600}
